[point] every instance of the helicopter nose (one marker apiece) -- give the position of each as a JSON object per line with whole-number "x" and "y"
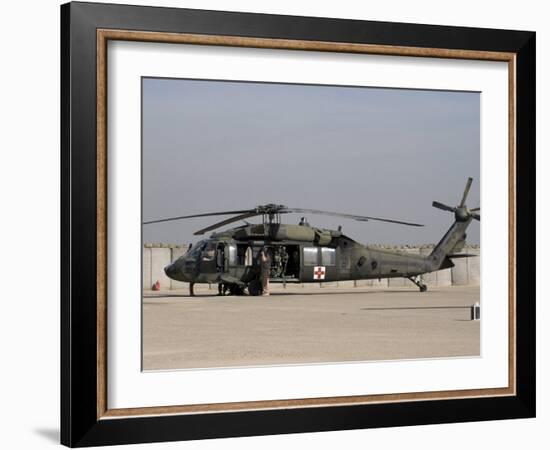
{"x": 175, "y": 271}
{"x": 170, "y": 271}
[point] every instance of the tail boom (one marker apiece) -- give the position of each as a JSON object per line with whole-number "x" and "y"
{"x": 451, "y": 242}
{"x": 454, "y": 239}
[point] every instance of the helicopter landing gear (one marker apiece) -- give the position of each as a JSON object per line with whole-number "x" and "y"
{"x": 418, "y": 281}
{"x": 255, "y": 288}
{"x": 222, "y": 288}
{"x": 191, "y": 290}
{"x": 235, "y": 289}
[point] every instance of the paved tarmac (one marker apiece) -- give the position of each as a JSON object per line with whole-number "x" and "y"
{"x": 307, "y": 325}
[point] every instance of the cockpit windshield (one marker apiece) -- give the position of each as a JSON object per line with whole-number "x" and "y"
{"x": 196, "y": 249}
{"x": 205, "y": 250}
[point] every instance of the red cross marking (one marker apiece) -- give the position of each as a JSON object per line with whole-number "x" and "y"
{"x": 318, "y": 273}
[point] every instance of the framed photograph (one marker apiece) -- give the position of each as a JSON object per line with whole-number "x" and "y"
{"x": 273, "y": 224}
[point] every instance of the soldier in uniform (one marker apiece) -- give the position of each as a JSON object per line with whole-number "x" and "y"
{"x": 265, "y": 268}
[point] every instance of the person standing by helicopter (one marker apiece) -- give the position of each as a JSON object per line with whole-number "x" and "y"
{"x": 265, "y": 269}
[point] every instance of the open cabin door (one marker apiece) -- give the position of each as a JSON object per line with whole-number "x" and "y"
{"x": 221, "y": 259}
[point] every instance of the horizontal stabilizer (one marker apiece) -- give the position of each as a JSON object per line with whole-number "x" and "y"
{"x": 461, "y": 255}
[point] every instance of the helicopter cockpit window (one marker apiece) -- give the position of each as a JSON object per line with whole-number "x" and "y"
{"x": 209, "y": 251}
{"x": 196, "y": 249}
{"x": 328, "y": 256}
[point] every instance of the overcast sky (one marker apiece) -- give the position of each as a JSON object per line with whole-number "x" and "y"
{"x": 219, "y": 145}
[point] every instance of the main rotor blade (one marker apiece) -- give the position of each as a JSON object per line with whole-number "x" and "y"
{"x": 466, "y": 191}
{"x": 222, "y": 213}
{"x": 347, "y": 216}
{"x": 227, "y": 221}
{"x": 442, "y": 206}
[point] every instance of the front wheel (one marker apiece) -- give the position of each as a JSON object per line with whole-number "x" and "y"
{"x": 255, "y": 287}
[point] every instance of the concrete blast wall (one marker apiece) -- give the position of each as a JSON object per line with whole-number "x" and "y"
{"x": 155, "y": 258}
{"x": 440, "y": 278}
{"x": 465, "y": 272}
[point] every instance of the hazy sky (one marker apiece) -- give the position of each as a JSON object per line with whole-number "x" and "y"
{"x": 219, "y": 145}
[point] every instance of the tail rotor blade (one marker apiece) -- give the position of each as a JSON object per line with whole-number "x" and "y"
{"x": 466, "y": 191}
{"x": 443, "y": 207}
{"x": 475, "y": 209}
{"x": 476, "y": 216}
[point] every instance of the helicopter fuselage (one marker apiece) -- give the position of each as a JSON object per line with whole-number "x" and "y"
{"x": 305, "y": 254}
{"x": 299, "y": 254}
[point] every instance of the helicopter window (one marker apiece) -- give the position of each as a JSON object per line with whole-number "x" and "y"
{"x": 196, "y": 249}
{"x": 310, "y": 256}
{"x": 328, "y": 256}
{"x": 209, "y": 251}
{"x": 232, "y": 254}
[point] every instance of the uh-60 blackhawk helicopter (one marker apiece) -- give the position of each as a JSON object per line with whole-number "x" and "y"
{"x": 306, "y": 254}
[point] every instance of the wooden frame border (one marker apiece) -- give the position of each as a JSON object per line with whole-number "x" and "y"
{"x": 103, "y": 36}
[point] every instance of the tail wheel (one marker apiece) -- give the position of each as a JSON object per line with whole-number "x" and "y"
{"x": 255, "y": 287}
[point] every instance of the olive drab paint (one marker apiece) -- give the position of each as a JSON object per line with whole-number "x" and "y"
{"x": 305, "y": 254}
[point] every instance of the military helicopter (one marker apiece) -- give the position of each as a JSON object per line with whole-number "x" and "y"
{"x": 306, "y": 254}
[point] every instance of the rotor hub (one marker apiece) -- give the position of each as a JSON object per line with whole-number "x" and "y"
{"x": 270, "y": 208}
{"x": 462, "y": 214}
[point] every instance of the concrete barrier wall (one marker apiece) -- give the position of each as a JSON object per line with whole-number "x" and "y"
{"x": 465, "y": 272}
{"x": 146, "y": 268}
{"x": 155, "y": 258}
{"x": 176, "y": 253}
{"x": 160, "y": 258}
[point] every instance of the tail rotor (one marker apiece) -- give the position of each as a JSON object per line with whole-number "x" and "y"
{"x": 461, "y": 212}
